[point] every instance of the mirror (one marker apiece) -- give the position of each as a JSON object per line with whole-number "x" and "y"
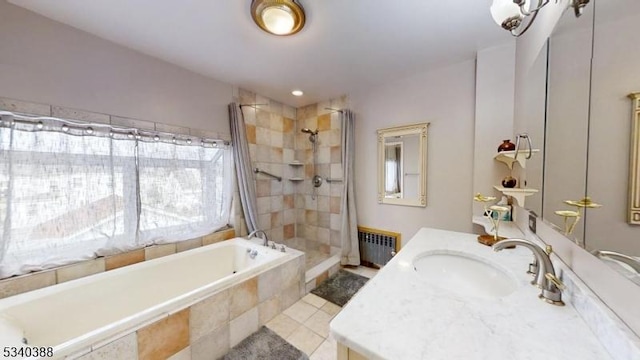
{"x": 611, "y": 165}
{"x": 567, "y": 125}
{"x": 530, "y": 120}
{"x": 402, "y": 165}
{"x": 592, "y": 70}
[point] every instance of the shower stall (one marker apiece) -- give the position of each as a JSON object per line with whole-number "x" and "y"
{"x": 301, "y": 209}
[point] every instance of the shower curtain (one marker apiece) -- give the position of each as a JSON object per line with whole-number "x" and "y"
{"x": 244, "y": 176}
{"x": 349, "y": 230}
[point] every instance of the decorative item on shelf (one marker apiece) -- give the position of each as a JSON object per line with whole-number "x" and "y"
{"x": 571, "y": 217}
{"x": 506, "y": 216}
{"x": 506, "y": 145}
{"x": 569, "y": 225}
{"x": 488, "y": 213}
{"x": 509, "y": 182}
{"x": 583, "y": 203}
{"x": 500, "y": 211}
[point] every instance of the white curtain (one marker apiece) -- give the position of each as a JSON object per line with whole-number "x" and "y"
{"x": 349, "y": 230}
{"x": 185, "y": 191}
{"x": 72, "y": 191}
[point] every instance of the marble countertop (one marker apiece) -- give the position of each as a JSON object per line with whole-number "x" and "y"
{"x": 398, "y": 315}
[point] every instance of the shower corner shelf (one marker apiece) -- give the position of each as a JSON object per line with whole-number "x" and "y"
{"x": 516, "y": 193}
{"x": 509, "y": 157}
{"x": 296, "y": 163}
{"x": 296, "y": 179}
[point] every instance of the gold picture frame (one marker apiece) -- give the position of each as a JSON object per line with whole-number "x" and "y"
{"x": 419, "y": 156}
{"x": 634, "y": 166}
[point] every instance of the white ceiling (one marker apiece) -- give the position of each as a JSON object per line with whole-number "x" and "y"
{"x": 345, "y": 46}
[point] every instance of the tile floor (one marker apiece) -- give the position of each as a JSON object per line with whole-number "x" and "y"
{"x": 305, "y": 324}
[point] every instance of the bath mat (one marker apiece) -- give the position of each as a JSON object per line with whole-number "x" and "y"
{"x": 339, "y": 288}
{"x": 265, "y": 344}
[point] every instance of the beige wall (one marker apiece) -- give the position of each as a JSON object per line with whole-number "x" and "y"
{"x": 47, "y": 62}
{"x": 444, "y": 97}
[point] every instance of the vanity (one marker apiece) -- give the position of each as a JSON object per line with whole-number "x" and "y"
{"x": 445, "y": 296}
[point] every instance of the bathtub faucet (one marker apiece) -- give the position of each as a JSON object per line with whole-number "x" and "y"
{"x": 258, "y": 232}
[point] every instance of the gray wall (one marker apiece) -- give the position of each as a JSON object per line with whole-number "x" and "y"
{"x": 44, "y": 61}
{"x": 446, "y": 98}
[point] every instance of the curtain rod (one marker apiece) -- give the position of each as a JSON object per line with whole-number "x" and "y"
{"x": 332, "y": 109}
{"x": 252, "y": 105}
{"x": 89, "y": 128}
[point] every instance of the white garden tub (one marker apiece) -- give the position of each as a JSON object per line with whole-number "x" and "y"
{"x": 75, "y": 315}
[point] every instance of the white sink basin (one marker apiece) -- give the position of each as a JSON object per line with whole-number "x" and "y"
{"x": 464, "y": 275}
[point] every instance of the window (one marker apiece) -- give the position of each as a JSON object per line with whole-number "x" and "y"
{"x": 69, "y": 195}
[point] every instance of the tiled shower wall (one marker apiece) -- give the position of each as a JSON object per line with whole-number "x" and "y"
{"x": 270, "y": 132}
{"x": 318, "y": 217}
{"x": 288, "y": 210}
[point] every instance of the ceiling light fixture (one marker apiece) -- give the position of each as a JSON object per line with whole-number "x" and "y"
{"x": 278, "y": 17}
{"x": 297, "y": 93}
{"x": 510, "y": 13}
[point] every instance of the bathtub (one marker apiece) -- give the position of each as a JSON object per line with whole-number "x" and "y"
{"x": 78, "y": 314}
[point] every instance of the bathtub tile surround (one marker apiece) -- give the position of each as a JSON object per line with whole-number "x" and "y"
{"x": 213, "y": 345}
{"x": 36, "y": 280}
{"x": 243, "y": 326}
{"x": 208, "y": 315}
{"x": 200, "y": 326}
{"x": 244, "y": 296}
{"x": 165, "y": 337}
{"x": 124, "y": 259}
{"x": 24, "y": 283}
{"x": 184, "y": 354}
{"x": 125, "y": 347}
{"x": 80, "y": 269}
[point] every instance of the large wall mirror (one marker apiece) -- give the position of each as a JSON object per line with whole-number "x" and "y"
{"x": 592, "y": 69}
{"x": 615, "y": 74}
{"x": 567, "y": 128}
{"x": 402, "y": 165}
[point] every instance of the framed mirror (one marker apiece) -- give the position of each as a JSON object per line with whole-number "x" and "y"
{"x": 402, "y": 165}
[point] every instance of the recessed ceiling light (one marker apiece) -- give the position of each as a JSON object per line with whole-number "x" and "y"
{"x": 297, "y": 93}
{"x": 278, "y": 17}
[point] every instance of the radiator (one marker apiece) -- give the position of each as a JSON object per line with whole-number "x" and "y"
{"x": 377, "y": 247}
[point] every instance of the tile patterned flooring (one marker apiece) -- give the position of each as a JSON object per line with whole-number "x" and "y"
{"x": 305, "y": 324}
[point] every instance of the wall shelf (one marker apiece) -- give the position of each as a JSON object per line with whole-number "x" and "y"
{"x": 296, "y": 179}
{"x": 516, "y": 193}
{"x": 296, "y": 163}
{"x": 509, "y": 157}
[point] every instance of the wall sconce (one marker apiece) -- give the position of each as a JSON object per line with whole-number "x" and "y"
{"x": 510, "y": 13}
{"x": 278, "y": 17}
